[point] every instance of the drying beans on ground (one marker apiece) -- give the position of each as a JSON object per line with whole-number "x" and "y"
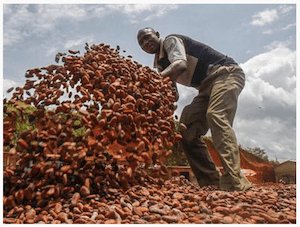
{"x": 101, "y": 128}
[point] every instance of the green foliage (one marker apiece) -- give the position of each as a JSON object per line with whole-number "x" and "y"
{"x": 23, "y": 126}
{"x": 274, "y": 162}
{"x": 22, "y": 123}
{"x": 77, "y": 123}
{"x": 259, "y": 153}
{"x": 79, "y": 132}
{"x": 177, "y": 125}
{"x": 177, "y": 158}
{"x": 27, "y": 109}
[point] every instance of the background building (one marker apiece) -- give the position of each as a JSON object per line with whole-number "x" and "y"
{"x": 286, "y": 172}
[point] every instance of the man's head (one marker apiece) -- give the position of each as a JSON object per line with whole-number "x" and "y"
{"x": 148, "y": 40}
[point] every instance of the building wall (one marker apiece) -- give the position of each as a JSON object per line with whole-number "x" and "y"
{"x": 286, "y": 172}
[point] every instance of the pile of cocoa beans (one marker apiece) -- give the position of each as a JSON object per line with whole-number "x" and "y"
{"x": 172, "y": 201}
{"x": 123, "y": 109}
{"x": 101, "y": 127}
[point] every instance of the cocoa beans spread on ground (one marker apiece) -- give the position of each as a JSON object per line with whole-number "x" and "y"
{"x": 99, "y": 129}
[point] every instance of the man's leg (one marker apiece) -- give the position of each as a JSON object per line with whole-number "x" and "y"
{"x": 220, "y": 114}
{"x": 194, "y": 117}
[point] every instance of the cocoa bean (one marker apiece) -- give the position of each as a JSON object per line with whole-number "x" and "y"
{"x": 155, "y": 209}
{"x": 170, "y": 219}
{"x": 257, "y": 219}
{"x": 228, "y": 220}
{"x": 30, "y": 214}
{"x": 75, "y": 199}
{"x": 177, "y": 196}
{"x": 125, "y": 112}
{"x": 223, "y": 210}
{"x": 58, "y": 208}
{"x": 63, "y": 217}
{"x": 84, "y": 191}
{"x": 268, "y": 218}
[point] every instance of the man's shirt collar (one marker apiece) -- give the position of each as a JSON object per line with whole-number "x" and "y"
{"x": 161, "y": 54}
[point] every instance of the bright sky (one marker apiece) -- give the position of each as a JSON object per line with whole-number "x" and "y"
{"x": 261, "y": 37}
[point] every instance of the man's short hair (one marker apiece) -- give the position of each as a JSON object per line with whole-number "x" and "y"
{"x": 141, "y": 31}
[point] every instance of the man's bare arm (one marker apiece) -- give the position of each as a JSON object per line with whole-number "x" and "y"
{"x": 174, "y": 69}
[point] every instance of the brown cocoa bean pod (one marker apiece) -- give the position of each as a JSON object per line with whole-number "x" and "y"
{"x": 121, "y": 212}
{"x": 195, "y": 209}
{"x": 141, "y": 146}
{"x": 29, "y": 192}
{"x": 63, "y": 217}
{"x": 11, "y": 212}
{"x": 244, "y": 214}
{"x": 95, "y": 65}
{"x": 120, "y": 93}
{"x": 74, "y": 51}
{"x": 65, "y": 168}
{"x": 65, "y": 179}
{"x": 257, "y": 219}
{"x": 116, "y": 106}
{"x": 268, "y": 218}
{"x": 227, "y": 220}
{"x": 177, "y": 196}
{"x": 216, "y": 219}
{"x": 223, "y": 210}
{"x": 19, "y": 196}
{"x": 112, "y": 89}
{"x": 98, "y": 73}
{"x": 110, "y": 221}
{"x": 196, "y": 220}
{"x": 142, "y": 209}
{"x": 87, "y": 208}
{"x": 50, "y": 192}
{"x": 85, "y": 80}
{"x": 57, "y": 208}
{"x": 84, "y": 191}
{"x": 235, "y": 209}
{"x": 113, "y": 121}
{"x": 23, "y": 144}
{"x": 88, "y": 68}
{"x": 101, "y": 57}
{"x": 155, "y": 209}
{"x": 75, "y": 199}
{"x": 29, "y": 221}
{"x": 136, "y": 204}
{"x": 130, "y": 99}
{"x": 94, "y": 216}
{"x": 177, "y": 137}
{"x": 146, "y": 157}
{"x": 129, "y": 172}
{"x": 170, "y": 219}
{"x": 153, "y": 218}
{"x": 76, "y": 210}
{"x": 102, "y": 123}
{"x": 131, "y": 149}
{"x": 291, "y": 218}
{"x": 87, "y": 183}
{"x": 30, "y": 214}
{"x": 41, "y": 219}
{"x": 10, "y": 90}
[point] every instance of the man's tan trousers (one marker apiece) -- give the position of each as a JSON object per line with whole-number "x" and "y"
{"x": 214, "y": 108}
